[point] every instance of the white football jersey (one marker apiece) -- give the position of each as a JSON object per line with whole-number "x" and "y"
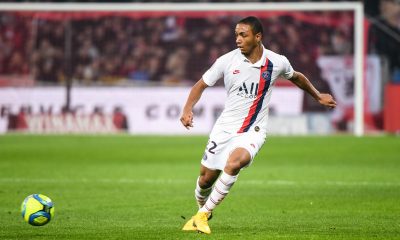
{"x": 248, "y": 88}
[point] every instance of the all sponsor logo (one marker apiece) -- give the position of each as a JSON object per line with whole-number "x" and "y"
{"x": 248, "y": 90}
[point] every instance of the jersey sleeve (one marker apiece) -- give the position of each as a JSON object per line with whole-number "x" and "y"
{"x": 287, "y": 69}
{"x": 216, "y": 72}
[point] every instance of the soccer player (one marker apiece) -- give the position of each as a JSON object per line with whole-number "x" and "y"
{"x": 249, "y": 73}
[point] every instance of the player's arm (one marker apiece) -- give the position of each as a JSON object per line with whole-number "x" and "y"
{"x": 194, "y": 96}
{"x": 302, "y": 82}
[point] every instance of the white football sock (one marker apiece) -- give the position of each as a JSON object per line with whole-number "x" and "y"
{"x": 201, "y": 194}
{"x": 220, "y": 190}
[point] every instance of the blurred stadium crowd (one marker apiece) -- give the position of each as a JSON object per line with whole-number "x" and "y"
{"x": 168, "y": 49}
{"x": 171, "y": 49}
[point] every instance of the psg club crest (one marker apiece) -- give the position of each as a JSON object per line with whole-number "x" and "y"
{"x": 265, "y": 75}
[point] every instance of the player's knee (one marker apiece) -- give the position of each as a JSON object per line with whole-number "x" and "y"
{"x": 205, "y": 182}
{"x": 239, "y": 158}
{"x": 232, "y": 167}
{"x": 236, "y": 164}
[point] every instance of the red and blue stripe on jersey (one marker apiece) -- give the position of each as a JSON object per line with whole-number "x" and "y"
{"x": 255, "y": 108}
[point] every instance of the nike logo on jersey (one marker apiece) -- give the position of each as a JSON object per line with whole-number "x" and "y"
{"x": 236, "y": 71}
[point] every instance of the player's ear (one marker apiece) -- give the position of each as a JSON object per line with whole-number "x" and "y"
{"x": 259, "y": 37}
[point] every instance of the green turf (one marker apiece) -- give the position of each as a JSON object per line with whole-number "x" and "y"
{"x": 131, "y": 187}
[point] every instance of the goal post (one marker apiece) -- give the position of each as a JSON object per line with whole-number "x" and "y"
{"x": 231, "y": 8}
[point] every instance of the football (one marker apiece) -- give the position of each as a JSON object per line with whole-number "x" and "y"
{"x": 37, "y": 209}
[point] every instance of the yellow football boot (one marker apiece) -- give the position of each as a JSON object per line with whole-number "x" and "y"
{"x": 200, "y": 221}
{"x": 189, "y": 226}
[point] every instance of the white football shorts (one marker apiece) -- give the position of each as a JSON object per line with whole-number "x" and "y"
{"x": 221, "y": 144}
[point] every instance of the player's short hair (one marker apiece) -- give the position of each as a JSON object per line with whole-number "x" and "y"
{"x": 254, "y": 23}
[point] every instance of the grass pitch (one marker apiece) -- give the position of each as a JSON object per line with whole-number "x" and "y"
{"x": 136, "y": 187}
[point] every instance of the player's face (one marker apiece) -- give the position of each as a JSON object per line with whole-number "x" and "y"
{"x": 246, "y": 40}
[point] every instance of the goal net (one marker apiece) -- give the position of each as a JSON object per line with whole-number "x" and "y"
{"x": 135, "y": 63}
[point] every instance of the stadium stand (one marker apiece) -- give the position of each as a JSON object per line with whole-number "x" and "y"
{"x": 118, "y": 49}
{"x": 173, "y": 49}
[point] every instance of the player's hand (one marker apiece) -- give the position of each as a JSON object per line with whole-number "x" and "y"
{"x": 327, "y": 100}
{"x": 187, "y": 119}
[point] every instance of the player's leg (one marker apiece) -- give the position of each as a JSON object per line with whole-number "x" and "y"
{"x": 203, "y": 189}
{"x": 204, "y": 184}
{"x": 238, "y": 159}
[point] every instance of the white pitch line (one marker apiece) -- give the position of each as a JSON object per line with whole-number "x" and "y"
{"x": 183, "y": 181}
